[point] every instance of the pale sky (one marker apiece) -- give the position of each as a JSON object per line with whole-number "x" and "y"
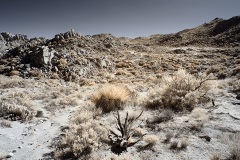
{"x": 130, "y": 18}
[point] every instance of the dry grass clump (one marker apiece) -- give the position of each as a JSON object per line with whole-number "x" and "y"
{"x": 9, "y": 82}
{"x": 5, "y": 123}
{"x": 216, "y": 156}
{"x": 178, "y": 145}
{"x": 81, "y": 140}
{"x": 168, "y": 138}
{"x": 151, "y": 139}
{"x": 111, "y": 97}
{"x": 64, "y": 101}
{"x": 179, "y": 92}
{"x": 87, "y": 112}
{"x": 15, "y": 112}
{"x": 200, "y": 115}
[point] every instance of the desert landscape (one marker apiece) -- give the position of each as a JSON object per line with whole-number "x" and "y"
{"x": 171, "y": 96}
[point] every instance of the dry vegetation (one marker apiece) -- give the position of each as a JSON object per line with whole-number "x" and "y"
{"x": 111, "y": 97}
{"x": 179, "y": 92}
{"x": 175, "y": 102}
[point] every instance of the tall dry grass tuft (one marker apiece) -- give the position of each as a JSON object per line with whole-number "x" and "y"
{"x": 180, "y": 91}
{"x": 111, "y": 97}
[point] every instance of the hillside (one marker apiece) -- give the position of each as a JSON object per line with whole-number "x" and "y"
{"x": 102, "y": 97}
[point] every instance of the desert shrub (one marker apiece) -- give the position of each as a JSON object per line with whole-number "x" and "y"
{"x": 5, "y": 123}
{"x": 111, "y": 97}
{"x": 151, "y": 139}
{"x": 180, "y": 92}
{"x": 9, "y": 82}
{"x": 81, "y": 140}
{"x": 85, "y": 134}
{"x": 15, "y": 112}
{"x": 87, "y": 112}
{"x": 216, "y": 156}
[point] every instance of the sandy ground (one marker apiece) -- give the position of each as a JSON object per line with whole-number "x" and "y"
{"x": 28, "y": 141}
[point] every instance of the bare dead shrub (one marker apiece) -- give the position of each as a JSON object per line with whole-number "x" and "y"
{"x": 111, "y": 97}
{"x": 121, "y": 141}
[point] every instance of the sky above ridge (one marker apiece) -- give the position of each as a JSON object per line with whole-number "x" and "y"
{"x": 129, "y": 18}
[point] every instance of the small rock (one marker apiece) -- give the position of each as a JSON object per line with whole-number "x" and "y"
{"x": 238, "y": 96}
{"x": 9, "y": 155}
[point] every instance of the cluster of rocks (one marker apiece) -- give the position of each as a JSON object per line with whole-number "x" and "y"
{"x": 10, "y": 37}
{"x": 67, "y": 60}
{"x": 67, "y": 35}
{"x": 10, "y": 41}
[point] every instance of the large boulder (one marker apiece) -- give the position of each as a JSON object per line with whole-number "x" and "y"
{"x": 40, "y": 57}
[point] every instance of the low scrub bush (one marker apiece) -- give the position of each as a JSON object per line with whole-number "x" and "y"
{"x": 81, "y": 140}
{"x": 180, "y": 91}
{"x": 15, "y": 112}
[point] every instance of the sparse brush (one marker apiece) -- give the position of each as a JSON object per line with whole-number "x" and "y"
{"x": 155, "y": 104}
{"x": 173, "y": 145}
{"x": 9, "y": 82}
{"x": 15, "y": 112}
{"x": 168, "y": 137}
{"x": 151, "y": 139}
{"x": 111, "y": 97}
{"x": 164, "y": 116}
{"x": 200, "y": 114}
{"x": 183, "y": 144}
{"x": 180, "y": 92}
{"x": 234, "y": 147}
{"x": 216, "y": 156}
{"x": 5, "y": 123}
{"x": 196, "y": 126}
{"x": 81, "y": 140}
{"x": 138, "y": 132}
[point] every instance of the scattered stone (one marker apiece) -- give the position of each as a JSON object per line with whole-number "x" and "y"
{"x": 9, "y": 155}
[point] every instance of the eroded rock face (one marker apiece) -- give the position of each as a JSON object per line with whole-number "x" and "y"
{"x": 40, "y": 56}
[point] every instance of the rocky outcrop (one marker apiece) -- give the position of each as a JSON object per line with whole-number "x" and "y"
{"x": 10, "y": 37}
{"x": 39, "y": 57}
{"x": 67, "y": 35}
